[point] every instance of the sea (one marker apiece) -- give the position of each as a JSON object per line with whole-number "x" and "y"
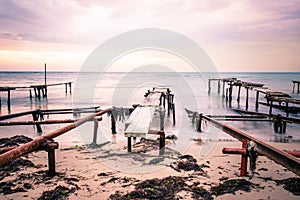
{"x": 123, "y": 89}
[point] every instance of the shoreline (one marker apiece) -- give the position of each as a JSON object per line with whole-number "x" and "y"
{"x": 88, "y": 178}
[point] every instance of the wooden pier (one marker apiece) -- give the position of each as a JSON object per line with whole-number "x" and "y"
{"x": 294, "y": 84}
{"x": 270, "y": 95}
{"x": 40, "y": 91}
{"x": 148, "y": 117}
{"x": 252, "y": 147}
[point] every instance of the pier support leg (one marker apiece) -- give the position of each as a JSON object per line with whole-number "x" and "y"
{"x": 8, "y": 100}
{"x": 51, "y": 162}
{"x": 239, "y": 93}
{"x": 66, "y": 88}
{"x": 96, "y": 124}
{"x": 199, "y": 123}
{"x": 162, "y": 119}
{"x": 174, "y": 117}
{"x": 209, "y": 88}
{"x": 30, "y": 94}
{"x": 287, "y": 108}
{"x": 35, "y": 93}
{"x": 298, "y": 91}
{"x": 293, "y": 89}
{"x": 219, "y": 86}
{"x": 39, "y": 93}
{"x": 223, "y": 93}
{"x": 169, "y": 105}
{"x": 226, "y": 94}
{"x": 113, "y": 124}
{"x": 270, "y": 109}
{"x": 70, "y": 88}
{"x": 244, "y": 160}
{"x": 247, "y": 97}
{"x": 162, "y": 141}
{"x": 256, "y": 101}
{"x": 35, "y": 117}
{"x": 230, "y": 92}
{"x": 129, "y": 144}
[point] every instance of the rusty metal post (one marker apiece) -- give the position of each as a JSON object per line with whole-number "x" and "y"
{"x": 51, "y": 162}
{"x": 199, "y": 123}
{"x": 244, "y": 160}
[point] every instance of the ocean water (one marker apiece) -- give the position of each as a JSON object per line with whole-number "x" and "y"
{"x": 124, "y": 89}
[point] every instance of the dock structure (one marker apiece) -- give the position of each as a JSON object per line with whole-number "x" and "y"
{"x": 253, "y": 147}
{"x": 270, "y": 95}
{"x": 294, "y": 84}
{"x": 148, "y": 117}
{"x": 39, "y": 91}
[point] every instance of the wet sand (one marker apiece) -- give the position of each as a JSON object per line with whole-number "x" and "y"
{"x": 93, "y": 173}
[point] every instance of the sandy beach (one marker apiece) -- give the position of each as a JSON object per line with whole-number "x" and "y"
{"x": 82, "y": 175}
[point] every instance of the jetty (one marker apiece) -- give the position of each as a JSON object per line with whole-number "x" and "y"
{"x": 270, "y": 95}
{"x": 251, "y": 146}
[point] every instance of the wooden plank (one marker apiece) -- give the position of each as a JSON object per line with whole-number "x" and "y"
{"x": 139, "y": 122}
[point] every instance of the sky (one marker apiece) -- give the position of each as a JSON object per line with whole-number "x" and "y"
{"x": 238, "y": 35}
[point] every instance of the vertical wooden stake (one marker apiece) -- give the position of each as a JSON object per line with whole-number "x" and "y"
{"x": 287, "y": 108}
{"x": 270, "y": 110}
{"x": 247, "y": 97}
{"x": 219, "y": 86}
{"x": 199, "y": 123}
{"x": 293, "y": 87}
{"x": 113, "y": 124}
{"x": 223, "y": 94}
{"x": 256, "y": 101}
{"x": 45, "y": 81}
{"x": 66, "y": 88}
{"x": 30, "y": 94}
{"x": 129, "y": 144}
{"x": 209, "y": 86}
{"x": 244, "y": 160}
{"x": 174, "y": 120}
{"x": 239, "y": 92}
{"x": 95, "y": 131}
{"x": 8, "y": 99}
{"x": 162, "y": 140}
{"x": 70, "y": 88}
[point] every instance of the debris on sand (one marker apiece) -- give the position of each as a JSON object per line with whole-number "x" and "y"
{"x": 60, "y": 192}
{"x": 291, "y": 184}
{"x": 171, "y": 137}
{"x": 165, "y": 188}
{"x": 14, "y": 141}
{"x": 13, "y": 166}
{"x": 233, "y": 185}
{"x": 188, "y": 163}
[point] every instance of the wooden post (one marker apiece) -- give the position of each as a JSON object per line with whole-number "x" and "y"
{"x": 66, "y": 88}
{"x": 162, "y": 120}
{"x": 35, "y": 93}
{"x": 247, "y": 97}
{"x": 45, "y": 95}
{"x": 244, "y": 160}
{"x": 162, "y": 140}
{"x": 129, "y": 144}
{"x": 287, "y": 108}
{"x": 39, "y": 92}
{"x": 164, "y": 100}
{"x": 293, "y": 89}
{"x": 223, "y": 94}
{"x": 271, "y": 105}
{"x": 230, "y": 91}
{"x": 8, "y": 99}
{"x": 298, "y": 91}
{"x": 35, "y": 117}
{"x": 199, "y": 123}
{"x": 113, "y": 124}
{"x": 239, "y": 92}
{"x": 219, "y": 86}
{"x": 95, "y": 131}
{"x": 209, "y": 86}
{"x": 30, "y": 94}
{"x": 226, "y": 94}
{"x": 174, "y": 120}
{"x": 70, "y": 87}
{"x": 256, "y": 101}
{"x": 169, "y": 104}
{"x": 0, "y": 103}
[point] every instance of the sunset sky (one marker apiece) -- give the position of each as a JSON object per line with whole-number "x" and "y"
{"x": 245, "y": 35}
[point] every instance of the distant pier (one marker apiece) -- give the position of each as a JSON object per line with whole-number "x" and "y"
{"x": 271, "y": 95}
